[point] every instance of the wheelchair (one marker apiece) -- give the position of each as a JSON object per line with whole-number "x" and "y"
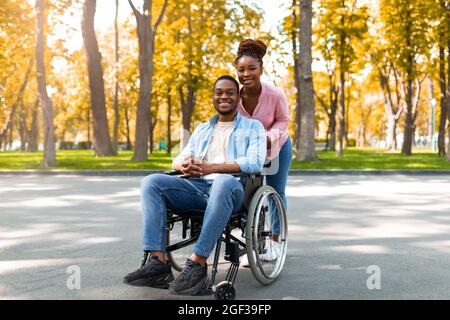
{"x": 263, "y": 227}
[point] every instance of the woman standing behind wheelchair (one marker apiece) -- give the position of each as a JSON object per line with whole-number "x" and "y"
{"x": 264, "y": 102}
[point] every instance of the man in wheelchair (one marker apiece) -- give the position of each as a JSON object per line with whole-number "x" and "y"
{"x": 227, "y": 143}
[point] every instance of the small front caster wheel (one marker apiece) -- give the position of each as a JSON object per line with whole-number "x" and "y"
{"x": 225, "y": 291}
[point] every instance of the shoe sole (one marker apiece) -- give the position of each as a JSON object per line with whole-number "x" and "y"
{"x": 199, "y": 287}
{"x": 163, "y": 282}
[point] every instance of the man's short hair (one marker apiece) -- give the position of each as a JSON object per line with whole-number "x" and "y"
{"x": 227, "y": 77}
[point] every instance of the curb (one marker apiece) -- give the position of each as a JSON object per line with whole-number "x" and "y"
{"x": 147, "y": 172}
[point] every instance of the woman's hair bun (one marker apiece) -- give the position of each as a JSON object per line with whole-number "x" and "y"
{"x": 253, "y": 48}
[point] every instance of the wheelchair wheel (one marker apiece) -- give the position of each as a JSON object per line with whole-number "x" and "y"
{"x": 225, "y": 291}
{"x": 182, "y": 230}
{"x": 266, "y": 235}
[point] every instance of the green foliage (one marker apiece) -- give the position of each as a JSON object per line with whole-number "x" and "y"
{"x": 405, "y": 24}
{"x": 341, "y": 27}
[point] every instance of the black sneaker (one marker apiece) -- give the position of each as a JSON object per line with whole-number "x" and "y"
{"x": 192, "y": 280}
{"x": 153, "y": 274}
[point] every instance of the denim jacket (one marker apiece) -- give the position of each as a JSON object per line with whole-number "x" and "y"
{"x": 246, "y": 145}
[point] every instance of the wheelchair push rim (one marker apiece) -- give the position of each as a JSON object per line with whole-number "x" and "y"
{"x": 266, "y": 231}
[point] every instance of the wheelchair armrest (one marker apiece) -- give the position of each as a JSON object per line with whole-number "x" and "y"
{"x": 245, "y": 174}
{"x": 234, "y": 174}
{"x": 173, "y": 172}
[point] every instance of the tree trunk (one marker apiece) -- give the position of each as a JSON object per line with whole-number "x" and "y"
{"x": 332, "y": 128}
{"x": 347, "y": 110}
{"x": 151, "y": 136}
{"x": 295, "y": 26}
{"x": 391, "y": 138}
{"x": 23, "y": 127}
{"x": 32, "y": 145}
{"x": 187, "y": 109}
{"x": 188, "y": 102}
{"x": 89, "y": 125}
{"x": 116, "y": 82}
{"x": 307, "y": 150}
{"x": 10, "y": 137}
{"x": 448, "y": 90}
{"x": 341, "y": 115}
{"x": 443, "y": 102}
{"x": 146, "y": 36}
{"x": 169, "y": 113}
{"x": 9, "y": 120}
{"x": 392, "y": 112}
{"x": 62, "y": 140}
{"x": 46, "y": 103}
{"x": 102, "y": 142}
{"x": 127, "y": 126}
{"x": 408, "y": 132}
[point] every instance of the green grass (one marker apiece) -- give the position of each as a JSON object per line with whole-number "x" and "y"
{"x": 83, "y": 160}
{"x": 353, "y": 159}
{"x": 375, "y": 159}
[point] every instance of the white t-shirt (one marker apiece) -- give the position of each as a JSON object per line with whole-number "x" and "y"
{"x": 217, "y": 148}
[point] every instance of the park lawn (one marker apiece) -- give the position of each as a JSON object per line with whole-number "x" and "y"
{"x": 83, "y": 160}
{"x": 353, "y": 159}
{"x": 375, "y": 159}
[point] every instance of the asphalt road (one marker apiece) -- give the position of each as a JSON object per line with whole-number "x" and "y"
{"x": 350, "y": 237}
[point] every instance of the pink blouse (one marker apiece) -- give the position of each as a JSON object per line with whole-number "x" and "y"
{"x": 273, "y": 112}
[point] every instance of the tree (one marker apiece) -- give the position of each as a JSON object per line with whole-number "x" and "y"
{"x": 116, "y": 80}
{"x": 102, "y": 140}
{"x": 146, "y": 34}
{"x": 406, "y": 27}
{"x": 443, "y": 34}
{"x": 45, "y": 101}
{"x": 344, "y": 22}
{"x": 325, "y": 46}
{"x": 9, "y": 120}
{"x": 307, "y": 125}
{"x": 17, "y": 71}
{"x": 33, "y": 132}
{"x": 389, "y": 80}
{"x": 448, "y": 81}
{"x": 296, "y": 60}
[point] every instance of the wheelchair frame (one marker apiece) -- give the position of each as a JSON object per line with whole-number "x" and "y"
{"x": 191, "y": 221}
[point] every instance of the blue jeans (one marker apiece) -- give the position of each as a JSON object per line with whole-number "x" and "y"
{"x": 279, "y": 180}
{"x": 219, "y": 198}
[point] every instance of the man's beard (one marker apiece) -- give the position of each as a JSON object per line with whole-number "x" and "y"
{"x": 226, "y": 113}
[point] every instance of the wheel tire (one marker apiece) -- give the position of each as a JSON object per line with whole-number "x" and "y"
{"x": 225, "y": 291}
{"x": 253, "y": 240}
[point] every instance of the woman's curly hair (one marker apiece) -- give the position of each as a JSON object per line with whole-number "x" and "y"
{"x": 253, "y": 48}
